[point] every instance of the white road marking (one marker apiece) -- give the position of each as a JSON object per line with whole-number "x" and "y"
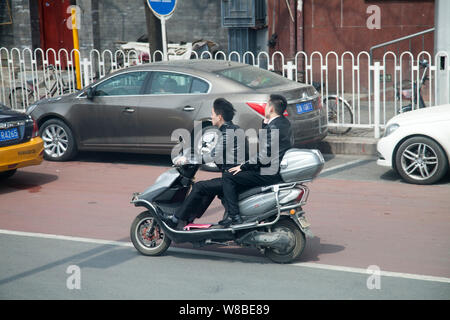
{"x": 230, "y": 256}
{"x": 343, "y": 165}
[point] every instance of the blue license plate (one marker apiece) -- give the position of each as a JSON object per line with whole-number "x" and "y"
{"x": 304, "y": 107}
{"x": 9, "y": 134}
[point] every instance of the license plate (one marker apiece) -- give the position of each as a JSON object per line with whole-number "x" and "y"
{"x": 303, "y": 222}
{"x": 304, "y": 107}
{"x": 9, "y": 134}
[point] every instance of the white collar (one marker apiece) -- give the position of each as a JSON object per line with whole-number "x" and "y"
{"x": 272, "y": 119}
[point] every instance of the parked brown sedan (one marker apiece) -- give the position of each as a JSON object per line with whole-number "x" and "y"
{"x": 136, "y": 109}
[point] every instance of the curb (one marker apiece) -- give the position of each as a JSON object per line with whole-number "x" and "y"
{"x": 347, "y": 145}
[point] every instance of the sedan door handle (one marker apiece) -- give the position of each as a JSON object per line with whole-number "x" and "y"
{"x": 188, "y": 108}
{"x": 128, "y": 110}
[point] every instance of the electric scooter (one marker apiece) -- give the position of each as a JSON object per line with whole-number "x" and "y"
{"x": 273, "y": 219}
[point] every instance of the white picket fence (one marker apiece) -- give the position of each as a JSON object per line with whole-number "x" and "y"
{"x": 368, "y": 87}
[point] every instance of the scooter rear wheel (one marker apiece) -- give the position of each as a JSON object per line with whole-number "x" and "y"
{"x": 147, "y": 236}
{"x": 288, "y": 226}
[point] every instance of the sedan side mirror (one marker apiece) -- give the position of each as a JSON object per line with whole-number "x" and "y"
{"x": 90, "y": 94}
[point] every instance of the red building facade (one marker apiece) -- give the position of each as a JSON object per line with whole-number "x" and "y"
{"x": 342, "y": 25}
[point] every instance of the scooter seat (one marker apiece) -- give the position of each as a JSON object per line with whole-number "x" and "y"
{"x": 250, "y": 192}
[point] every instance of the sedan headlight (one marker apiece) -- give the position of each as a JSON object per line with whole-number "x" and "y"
{"x": 391, "y": 128}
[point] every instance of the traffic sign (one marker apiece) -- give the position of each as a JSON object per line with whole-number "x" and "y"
{"x": 162, "y": 7}
{"x": 163, "y": 10}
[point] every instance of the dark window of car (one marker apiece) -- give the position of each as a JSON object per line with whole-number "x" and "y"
{"x": 176, "y": 83}
{"x": 129, "y": 83}
{"x": 199, "y": 86}
{"x": 254, "y": 77}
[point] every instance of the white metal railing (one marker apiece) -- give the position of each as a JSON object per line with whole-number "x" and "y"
{"x": 368, "y": 88}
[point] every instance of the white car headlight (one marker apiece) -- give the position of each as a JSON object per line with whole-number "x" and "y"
{"x": 390, "y": 128}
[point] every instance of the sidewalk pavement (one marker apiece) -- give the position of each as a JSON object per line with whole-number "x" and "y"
{"x": 356, "y": 142}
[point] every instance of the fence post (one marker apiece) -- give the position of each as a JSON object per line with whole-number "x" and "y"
{"x": 376, "y": 95}
{"x": 290, "y": 67}
{"x": 86, "y": 72}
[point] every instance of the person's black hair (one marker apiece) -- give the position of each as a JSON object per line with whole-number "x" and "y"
{"x": 279, "y": 102}
{"x": 224, "y": 108}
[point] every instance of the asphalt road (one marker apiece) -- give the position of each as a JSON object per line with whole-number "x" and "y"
{"x": 38, "y": 268}
{"x": 361, "y": 215}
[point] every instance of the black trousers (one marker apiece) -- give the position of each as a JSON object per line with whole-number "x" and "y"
{"x": 199, "y": 199}
{"x": 242, "y": 181}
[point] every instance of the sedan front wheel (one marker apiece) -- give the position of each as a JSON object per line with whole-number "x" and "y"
{"x": 421, "y": 160}
{"x": 59, "y": 143}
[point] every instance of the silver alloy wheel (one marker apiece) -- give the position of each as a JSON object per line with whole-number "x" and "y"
{"x": 419, "y": 161}
{"x": 56, "y": 140}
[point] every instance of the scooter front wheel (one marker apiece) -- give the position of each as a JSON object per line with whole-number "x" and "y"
{"x": 297, "y": 243}
{"x": 147, "y": 236}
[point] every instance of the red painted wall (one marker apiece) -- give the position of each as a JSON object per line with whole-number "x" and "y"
{"x": 341, "y": 25}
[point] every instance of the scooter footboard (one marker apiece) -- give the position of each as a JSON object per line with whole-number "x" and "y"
{"x": 196, "y": 236}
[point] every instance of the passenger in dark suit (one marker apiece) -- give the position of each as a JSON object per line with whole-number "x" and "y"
{"x": 260, "y": 171}
{"x": 204, "y": 192}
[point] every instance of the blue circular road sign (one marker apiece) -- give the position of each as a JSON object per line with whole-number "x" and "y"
{"x": 162, "y": 7}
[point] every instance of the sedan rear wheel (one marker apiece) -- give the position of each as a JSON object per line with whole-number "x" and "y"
{"x": 421, "y": 160}
{"x": 59, "y": 143}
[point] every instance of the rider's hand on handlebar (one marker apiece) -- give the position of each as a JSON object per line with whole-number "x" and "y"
{"x": 181, "y": 161}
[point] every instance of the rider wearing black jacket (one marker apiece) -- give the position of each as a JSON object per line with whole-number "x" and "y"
{"x": 203, "y": 192}
{"x": 264, "y": 170}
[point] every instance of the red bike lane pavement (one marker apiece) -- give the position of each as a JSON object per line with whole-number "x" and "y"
{"x": 396, "y": 226}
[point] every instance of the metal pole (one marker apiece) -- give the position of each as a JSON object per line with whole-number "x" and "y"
{"x": 86, "y": 72}
{"x": 376, "y": 95}
{"x": 442, "y": 45}
{"x": 76, "y": 46}
{"x": 164, "y": 39}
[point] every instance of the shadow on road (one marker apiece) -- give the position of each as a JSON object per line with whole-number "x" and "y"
{"x": 110, "y": 258}
{"x": 311, "y": 252}
{"x": 25, "y": 180}
{"x": 314, "y": 248}
{"x": 103, "y": 256}
{"x": 392, "y": 175}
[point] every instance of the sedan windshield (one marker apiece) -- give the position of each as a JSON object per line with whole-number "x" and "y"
{"x": 254, "y": 77}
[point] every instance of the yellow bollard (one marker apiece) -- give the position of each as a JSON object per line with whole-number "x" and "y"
{"x": 76, "y": 46}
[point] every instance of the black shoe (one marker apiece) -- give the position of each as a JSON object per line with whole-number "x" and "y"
{"x": 224, "y": 219}
{"x": 234, "y": 220}
{"x": 237, "y": 219}
{"x": 169, "y": 221}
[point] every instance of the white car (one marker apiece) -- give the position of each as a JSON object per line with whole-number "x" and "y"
{"x": 417, "y": 144}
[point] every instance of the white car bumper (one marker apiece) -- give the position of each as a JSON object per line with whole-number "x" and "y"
{"x": 385, "y": 148}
